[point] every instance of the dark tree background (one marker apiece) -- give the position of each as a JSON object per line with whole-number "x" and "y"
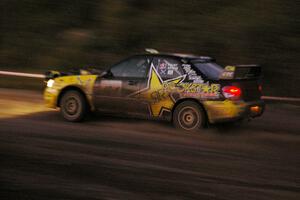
{"x": 38, "y": 35}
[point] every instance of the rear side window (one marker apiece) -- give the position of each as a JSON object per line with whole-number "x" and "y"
{"x": 211, "y": 70}
{"x": 167, "y": 68}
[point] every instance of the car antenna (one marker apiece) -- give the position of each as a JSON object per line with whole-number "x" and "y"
{"x": 152, "y": 51}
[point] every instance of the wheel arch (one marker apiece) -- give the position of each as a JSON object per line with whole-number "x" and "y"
{"x": 193, "y": 100}
{"x": 69, "y": 88}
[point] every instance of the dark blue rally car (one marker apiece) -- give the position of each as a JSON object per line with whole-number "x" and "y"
{"x": 188, "y": 90}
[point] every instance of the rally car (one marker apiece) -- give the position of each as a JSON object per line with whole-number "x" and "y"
{"x": 191, "y": 91}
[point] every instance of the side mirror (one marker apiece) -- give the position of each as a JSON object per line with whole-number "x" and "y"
{"x": 106, "y": 74}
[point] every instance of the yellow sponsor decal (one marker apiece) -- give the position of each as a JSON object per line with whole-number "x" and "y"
{"x": 159, "y": 93}
{"x": 84, "y": 82}
{"x": 230, "y": 68}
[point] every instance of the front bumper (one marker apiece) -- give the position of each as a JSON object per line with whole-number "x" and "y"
{"x": 50, "y": 97}
{"x": 222, "y": 111}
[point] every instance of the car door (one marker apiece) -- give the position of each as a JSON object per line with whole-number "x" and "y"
{"x": 158, "y": 93}
{"x": 117, "y": 91}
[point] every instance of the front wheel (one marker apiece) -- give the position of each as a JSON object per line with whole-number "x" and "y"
{"x": 73, "y": 106}
{"x": 189, "y": 116}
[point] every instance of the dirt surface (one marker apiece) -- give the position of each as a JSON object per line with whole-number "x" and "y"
{"x": 44, "y": 157}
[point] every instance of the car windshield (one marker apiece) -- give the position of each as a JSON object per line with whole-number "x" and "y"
{"x": 210, "y": 69}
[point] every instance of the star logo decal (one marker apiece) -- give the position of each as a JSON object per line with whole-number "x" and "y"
{"x": 158, "y": 92}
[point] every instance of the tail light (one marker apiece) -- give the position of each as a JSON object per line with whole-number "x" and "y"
{"x": 260, "y": 88}
{"x": 231, "y": 92}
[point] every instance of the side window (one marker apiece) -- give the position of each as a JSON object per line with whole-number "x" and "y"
{"x": 167, "y": 68}
{"x": 132, "y": 68}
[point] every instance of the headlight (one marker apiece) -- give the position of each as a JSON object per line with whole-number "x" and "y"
{"x": 50, "y": 83}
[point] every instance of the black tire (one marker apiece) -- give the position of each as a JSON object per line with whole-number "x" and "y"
{"x": 189, "y": 116}
{"x": 73, "y": 106}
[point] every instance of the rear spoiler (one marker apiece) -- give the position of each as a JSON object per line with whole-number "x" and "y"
{"x": 242, "y": 72}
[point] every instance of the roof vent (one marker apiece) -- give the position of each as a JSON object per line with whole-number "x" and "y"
{"x": 152, "y": 51}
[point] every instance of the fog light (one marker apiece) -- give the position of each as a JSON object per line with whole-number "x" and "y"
{"x": 255, "y": 109}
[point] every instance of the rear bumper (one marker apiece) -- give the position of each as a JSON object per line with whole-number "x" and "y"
{"x": 223, "y": 111}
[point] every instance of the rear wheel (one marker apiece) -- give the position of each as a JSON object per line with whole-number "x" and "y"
{"x": 189, "y": 116}
{"x": 73, "y": 106}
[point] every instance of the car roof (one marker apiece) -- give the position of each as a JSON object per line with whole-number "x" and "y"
{"x": 188, "y": 57}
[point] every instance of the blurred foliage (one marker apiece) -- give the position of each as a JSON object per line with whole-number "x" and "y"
{"x": 61, "y": 34}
